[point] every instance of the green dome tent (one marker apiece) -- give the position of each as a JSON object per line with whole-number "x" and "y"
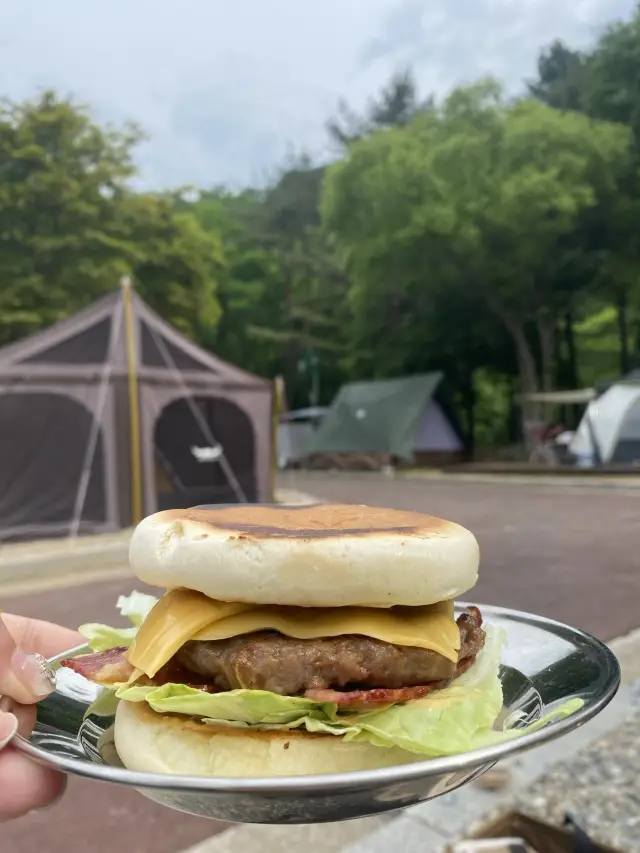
{"x": 404, "y": 418}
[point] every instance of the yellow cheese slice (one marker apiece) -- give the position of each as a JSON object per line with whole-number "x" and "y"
{"x": 183, "y": 615}
{"x": 176, "y": 618}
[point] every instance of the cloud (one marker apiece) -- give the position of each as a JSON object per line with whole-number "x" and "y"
{"x": 226, "y": 89}
{"x": 449, "y": 43}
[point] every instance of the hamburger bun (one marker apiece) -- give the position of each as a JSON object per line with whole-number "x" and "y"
{"x": 162, "y": 743}
{"x": 326, "y": 555}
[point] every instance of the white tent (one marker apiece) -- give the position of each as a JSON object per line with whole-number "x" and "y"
{"x": 609, "y": 431}
{"x": 435, "y": 434}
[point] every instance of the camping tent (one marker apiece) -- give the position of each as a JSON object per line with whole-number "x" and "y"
{"x": 113, "y": 414}
{"x": 401, "y": 418}
{"x": 609, "y": 431}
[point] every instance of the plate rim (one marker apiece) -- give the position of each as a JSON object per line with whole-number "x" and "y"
{"x": 337, "y": 782}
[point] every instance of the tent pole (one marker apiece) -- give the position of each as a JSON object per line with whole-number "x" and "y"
{"x": 134, "y": 410}
{"x": 278, "y": 395}
{"x": 90, "y": 452}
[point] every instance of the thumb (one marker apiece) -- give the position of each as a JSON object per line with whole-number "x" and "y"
{"x": 25, "y": 678}
{"x": 8, "y": 727}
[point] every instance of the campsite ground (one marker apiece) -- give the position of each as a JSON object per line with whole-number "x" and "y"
{"x": 565, "y": 551}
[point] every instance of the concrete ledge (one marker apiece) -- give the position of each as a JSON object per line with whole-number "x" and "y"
{"x": 295, "y": 497}
{"x": 629, "y": 483}
{"x": 323, "y": 837}
{"x": 24, "y": 562}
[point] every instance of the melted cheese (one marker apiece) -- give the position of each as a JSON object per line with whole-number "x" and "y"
{"x": 176, "y": 618}
{"x": 183, "y": 615}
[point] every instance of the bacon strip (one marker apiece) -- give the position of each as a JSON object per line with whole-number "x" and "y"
{"x": 363, "y": 699}
{"x": 371, "y": 698}
{"x": 107, "y": 667}
{"x": 112, "y": 667}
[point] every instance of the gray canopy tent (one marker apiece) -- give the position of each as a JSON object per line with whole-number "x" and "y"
{"x": 112, "y": 414}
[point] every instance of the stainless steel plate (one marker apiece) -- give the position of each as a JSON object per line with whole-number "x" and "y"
{"x": 546, "y": 663}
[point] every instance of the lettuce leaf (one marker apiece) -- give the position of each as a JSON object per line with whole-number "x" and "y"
{"x": 245, "y": 707}
{"x": 135, "y": 608}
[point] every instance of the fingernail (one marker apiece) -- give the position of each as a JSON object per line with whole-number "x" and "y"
{"x": 34, "y": 672}
{"x": 8, "y": 727}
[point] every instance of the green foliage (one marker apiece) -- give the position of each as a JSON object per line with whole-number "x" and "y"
{"x": 611, "y": 87}
{"x": 478, "y": 200}
{"x": 561, "y": 78}
{"x": 395, "y": 106}
{"x": 603, "y": 83}
{"x": 281, "y": 291}
{"x": 70, "y": 227}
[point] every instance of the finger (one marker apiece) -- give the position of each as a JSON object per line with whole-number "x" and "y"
{"x": 24, "y": 714}
{"x": 25, "y": 785}
{"x": 24, "y": 677}
{"x": 34, "y": 635}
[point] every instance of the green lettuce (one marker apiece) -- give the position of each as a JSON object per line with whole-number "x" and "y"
{"x": 240, "y": 707}
{"x": 135, "y": 608}
{"x": 459, "y": 718}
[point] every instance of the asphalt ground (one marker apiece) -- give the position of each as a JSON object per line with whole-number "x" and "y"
{"x": 571, "y": 554}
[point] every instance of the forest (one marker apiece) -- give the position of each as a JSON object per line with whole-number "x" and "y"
{"x": 488, "y": 235}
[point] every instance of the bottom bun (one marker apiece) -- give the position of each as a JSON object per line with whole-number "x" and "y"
{"x": 165, "y": 743}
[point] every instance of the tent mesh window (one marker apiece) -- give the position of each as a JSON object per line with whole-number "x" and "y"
{"x": 181, "y": 453}
{"x": 90, "y": 346}
{"x": 166, "y": 355}
{"x": 43, "y": 439}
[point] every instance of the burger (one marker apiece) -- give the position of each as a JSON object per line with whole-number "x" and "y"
{"x": 297, "y": 640}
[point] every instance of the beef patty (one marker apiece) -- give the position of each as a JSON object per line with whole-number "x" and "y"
{"x": 270, "y": 661}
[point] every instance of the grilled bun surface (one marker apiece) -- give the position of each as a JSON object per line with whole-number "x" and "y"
{"x": 325, "y": 555}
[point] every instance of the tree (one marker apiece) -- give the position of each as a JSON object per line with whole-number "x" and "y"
{"x": 612, "y": 93}
{"x": 562, "y": 73}
{"x": 613, "y": 75}
{"x": 395, "y": 106}
{"x": 61, "y": 181}
{"x": 176, "y": 263}
{"x": 281, "y": 292}
{"x": 70, "y": 226}
{"x": 478, "y": 197}
{"x": 603, "y": 83}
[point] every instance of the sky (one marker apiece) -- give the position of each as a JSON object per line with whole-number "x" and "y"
{"x": 228, "y": 89}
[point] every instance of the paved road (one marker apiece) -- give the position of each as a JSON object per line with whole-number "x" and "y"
{"x": 573, "y": 555}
